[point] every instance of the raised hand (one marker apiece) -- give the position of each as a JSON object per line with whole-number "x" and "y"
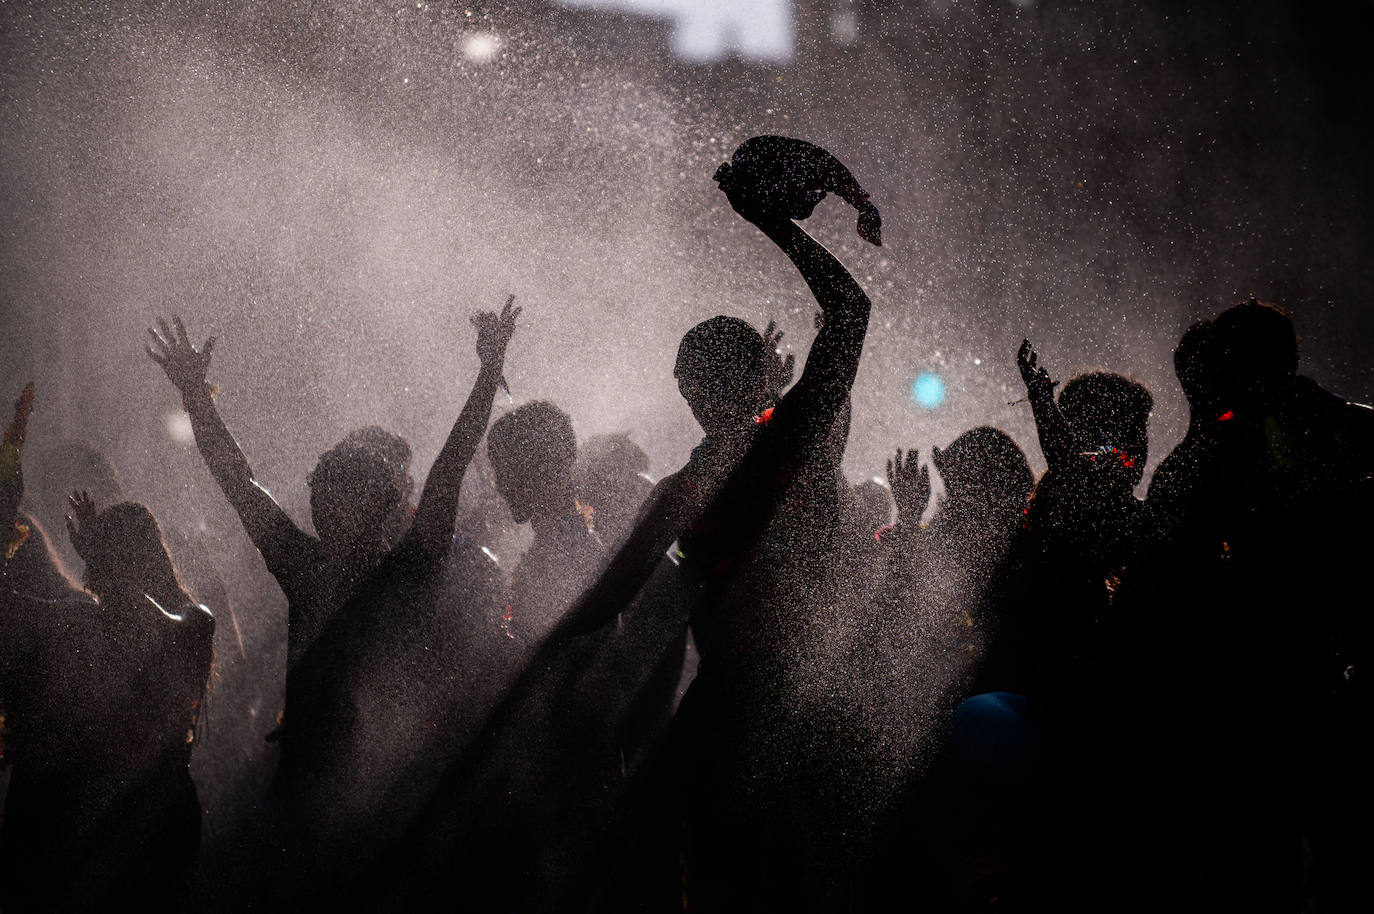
{"x": 81, "y": 523}
{"x": 1033, "y": 375}
{"x": 185, "y": 365}
{"x": 910, "y": 484}
{"x": 778, "y": 370}
{"x": 438, "y": 505}
{"x": 494, "y": 332}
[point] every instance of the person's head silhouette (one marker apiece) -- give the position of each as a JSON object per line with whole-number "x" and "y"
{"x": 612, "y": 476}
{"x": 532, "y": 449}
{"x": 1254, "y": 353}
{"x": 1111, "y": 410}
{"x": 721, "y": 374}
{"x": 360, "y": 487}
{"x": 126, "y": 556}
{"x": 984, "y": 472}
{"x": 872, "y": 505}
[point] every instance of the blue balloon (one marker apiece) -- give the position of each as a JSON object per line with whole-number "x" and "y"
{"x": 928, "y": 390}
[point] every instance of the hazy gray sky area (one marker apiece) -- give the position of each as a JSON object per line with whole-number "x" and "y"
{"x": 331, "y": 192}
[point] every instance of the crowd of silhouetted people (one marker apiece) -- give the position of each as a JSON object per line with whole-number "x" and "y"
{"x": 747, "y": 686}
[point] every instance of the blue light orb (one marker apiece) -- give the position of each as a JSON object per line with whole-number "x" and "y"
{"x": 928, "y": 390}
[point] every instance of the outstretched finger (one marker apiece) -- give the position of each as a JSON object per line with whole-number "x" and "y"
{"x": 161, "y": 342}
{"x": 181, "y": 331}
{"x": 160, "y": 359}
{"x": 208, "y": 347}
{"x": 510, "y": 300}
{"x": 911, "y": 456}
{"x": 510, "y": 319}
{"x": 167, "y": 333}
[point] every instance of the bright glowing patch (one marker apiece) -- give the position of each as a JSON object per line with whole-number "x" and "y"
{"x": 481, "y": 47}
{"x": 178, "y": 426}
{"x": 928, "y": 390}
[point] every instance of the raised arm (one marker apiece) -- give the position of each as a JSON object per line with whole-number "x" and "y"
{"x": 800, "y": 423}
{"x": 834, "y": 359}
{"x": 438, "y": 507}
{"x": 1056, "y": 437}
{"x": 186, "y": 367}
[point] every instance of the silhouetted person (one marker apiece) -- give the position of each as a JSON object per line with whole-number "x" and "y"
{"x": 70, "y": 466}
{"x": 358, "y": 500}
{"x": 1038, "y": 741}
{"x": 532, "y": 450}
{"x": 611, "y": 477}
{"x": 521, "y": 821}
{"x": 380, "y": 680}
{"x": 73, "y": 465}
{"x": 944, "y": 575}
{"x": 720, "y": 507}
{"x": 1083, "y": 525}
{"x": 539, "y": 792}
{"x": 1258, "y": 558}
{"x": 933, "y": 623}
{"x": 102, "y": 812}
